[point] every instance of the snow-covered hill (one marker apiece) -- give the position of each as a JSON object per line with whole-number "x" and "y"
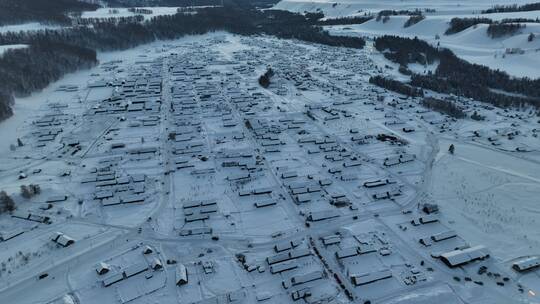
{"x": 341, "y": 8}
{"x": 472, "y": 44}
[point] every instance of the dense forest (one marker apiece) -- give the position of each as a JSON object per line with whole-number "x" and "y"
{"x": 459, "y": 24}
{"x": 520, "y": 20}
{"x": 170, "y": 3}
{"x": 497, "y": 30}
{"x": 513, "y": 8}
{"x": 396, "y": 86}
{"x": 413, "y": 50}
{"x": 456, "y": 76}
{"x": 6, "y": 100}
{"x": 53, "y": 53}
{"x": 345, "y": 20}
{"x": 30, "y": 69}
{"x": 384, "y": 13}
{"x": 414, "y": 19}
{"x": 54, "y": 11}
{"x": 444, "y": 107}
{"x": 186, "y": 3}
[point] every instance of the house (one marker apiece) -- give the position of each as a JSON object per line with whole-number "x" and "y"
{"x": 331, "y": 239}
{"x": 526, "y": 264}
{"x": 422, "y": 220}
{"x": 303, "y": 278}
{"x": 378, "y": 183}
{"x": 322, "y": 215}
{"x": 112, "y": 279}
{"x": 265, "y": 203}
{"x": 285, "y": 245}
{"x": 430, "y": 208}
{"x": 181, "y": 275}
{"x": 56, "y": 199}
{"x": 460, "y": 257}
{"x": 62, "y": 239}
{"x": 102, "y": 268}
{"x": 371, "y": 277}
{"x": 346, "y": 253}
{"x": 147, "y": 250}
{"x": 281, "y": 267}
{"x": 156, "y": 264}
{"x": 135, "y": 269}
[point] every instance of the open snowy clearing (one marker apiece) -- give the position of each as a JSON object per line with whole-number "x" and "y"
{"x": 473, "y": 44}
{"x": 4, "y": 48}
{"x": 493, "y": 192}
{"x": 106, "y": 12}
{"x": 26, "y": 27}
{"x": 342, "y": 8}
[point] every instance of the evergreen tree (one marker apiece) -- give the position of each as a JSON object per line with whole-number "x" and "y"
{"x": 6, "y": 202}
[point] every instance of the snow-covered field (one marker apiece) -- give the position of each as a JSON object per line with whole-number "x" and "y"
{"x": 342, "y": 8}
{"x": 473, "y": 44}
{"x": 4, "y": 48}
{"x": 26, "y": 27}
{"x": 124, "y": 12}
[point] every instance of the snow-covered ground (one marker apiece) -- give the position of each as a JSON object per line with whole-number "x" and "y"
{"x": 340, "y": 8}
{"x": 172, "y": 154}
{"x": 491, "y": 196}
{"x": 473, "y": 44}
{"x": 4, "y": 48}
{"x": 26, "y": 27}
{"x": 124, "y": 12}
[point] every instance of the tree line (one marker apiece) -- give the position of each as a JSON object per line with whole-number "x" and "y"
{"x": 457, "y": 76}
{"x": 6, "y": 101}
{"x": 460, "y": 24}
{"x": 513, "y": 8}
{"x": 345, "y": 20}
{"x": 396, "y": 86}
{"x": 96, "y": 20}
{"x": 497, "y": 30}
{"x": 169, "y": 3}
{"x": 443, "y": 106}
{"x": 414, "y": 19}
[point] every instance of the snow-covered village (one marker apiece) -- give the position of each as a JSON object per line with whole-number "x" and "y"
{"x": 291, "y": 151}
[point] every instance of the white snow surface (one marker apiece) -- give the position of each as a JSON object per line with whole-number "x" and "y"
{"x": 472, "y": 44}
{"x": 107, "y": 12}
{"x": 26, "y": 27}
{"x": 4, "y": 48}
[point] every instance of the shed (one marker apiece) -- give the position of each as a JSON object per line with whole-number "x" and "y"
{"x": 62, "y": 239}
